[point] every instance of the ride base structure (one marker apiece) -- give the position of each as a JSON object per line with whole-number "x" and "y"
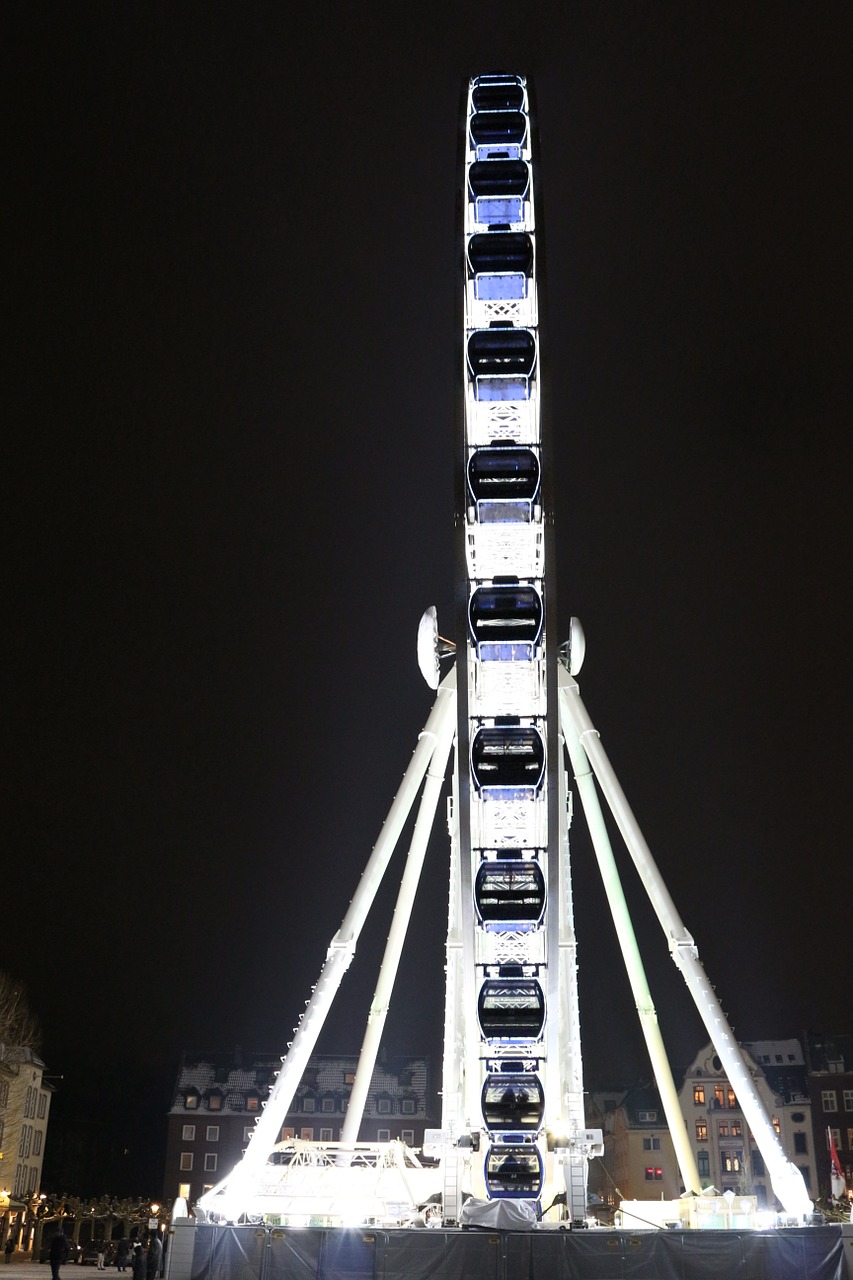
{"x": 513, "y": 1150}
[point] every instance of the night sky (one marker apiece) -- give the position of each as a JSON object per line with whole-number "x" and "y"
{"x": 230, "y": 373}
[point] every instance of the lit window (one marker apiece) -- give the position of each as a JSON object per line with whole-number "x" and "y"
{"x": 253, "y": 1102}
{"x": 732, "y": 1161}
{"x": 829, "y": 1100}
{"x": 701, "y": 1131}
{"x": 722, "y": 1129}
{"x": 349, "y": 1077}
{"x": 210, "y": 1162}
{"x": 191, "y": 1102}
{"x": 719, "y": 1096}
{"x": 836, "y": 1137}
{"x": 188, "y": 1133}
{"x": 731, "y": 1100}
{"x": 214, "y": 1102}
{"x": 287, "y": 1133}
{"x": 653, "y": 1175}
{"x": 184, "y": 1190}
{"x": 213, "y": 1133}
{"x": 186, "y": 1161}
{"x": 776, "y": 1125}
{"x": 737, "y": 1129}
{"x": 307, "y": 1135}
{"x": 698, "y": 1095}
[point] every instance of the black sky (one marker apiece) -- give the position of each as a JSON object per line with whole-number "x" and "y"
{"x": 229, "y": 495}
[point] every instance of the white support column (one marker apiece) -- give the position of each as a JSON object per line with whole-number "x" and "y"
{"x": 786, "y": 1178}
{"x": 399, "y": 925}
{"x": 229, "y": 1198}
{"x": 630, "y": 951}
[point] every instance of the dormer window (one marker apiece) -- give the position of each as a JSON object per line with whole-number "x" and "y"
{"x": 191, "y": 1100}
{"x": 214, "y": 1100}
{"x": 253, "y": 1101}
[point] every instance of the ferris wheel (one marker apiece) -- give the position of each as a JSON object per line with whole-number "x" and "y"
{"x": 508, "y": 707}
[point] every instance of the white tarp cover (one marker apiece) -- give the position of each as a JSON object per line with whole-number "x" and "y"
{"x": 502, "y": 1215}
{"x": 273, "y": 1253}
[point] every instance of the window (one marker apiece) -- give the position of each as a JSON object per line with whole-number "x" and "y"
{"x": 719, "y": 1097}
{"x": 191, "y": 1102}
{"x": 849, "y": 1138}
{"x": 408, "y": 1136}
{"x": 383, "y": 1106}
{"x": 309, "y": 1102}
{"x": 732, "y": 1161}
{"x": 800, "y": 1145}
{"x": 651, "y": 1144}
{"x": 328, "y": 1104}
{"x": 737, "y": 1129}
{"x": 829, "y": 1100}
{"x": 37, "y": 1142}
{"x": 186, "y": 1161}
{"x": 653, "y": 1175}
{"x": 698, "y": 1095}
{"x": 701, "y": 1131}
{"x": 253, "y": 1102}
{"x": 647, "y": 1117}
{"x": 349, "y": 1078}
{"x": 723, "y": 1129}
{"x": 407, "y": 1106}
{"x": 43, "y": 1105}
{"x": 757, "y": 1164}
{"x": 213, "y": 1133}
{"x": 214, "y": 1102}
{"x": 836, "y": 1137}
{"x": 184, "y": 1190}
{"x": 188, "y": 1133}
{"x": 731, "y": 1100}
{"x": 307, "y": 1135}
{"x": 776, "y": 1125}
{"x": 848, "y": 1099}
{"x": 287, "y": 1132}
{"x": 703, "y": 1164}
{"x": 1, "y": 1134}
{"x": 383, "y": 1135}
{"x": 325, "y": 1135}
{"x": 4, "y": 1092}
{"x": 210, "y": 1162}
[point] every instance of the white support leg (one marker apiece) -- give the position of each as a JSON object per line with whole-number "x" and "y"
{"x": 399, "y": 926}
{"x": 229, "y": 1198}
{"x": 786, "y": 1178}
{"x": 630, "y": 952}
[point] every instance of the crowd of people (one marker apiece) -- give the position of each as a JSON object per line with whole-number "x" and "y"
{"x": 143, "y": 1259}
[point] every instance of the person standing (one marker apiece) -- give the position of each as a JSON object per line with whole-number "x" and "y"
{"x": 121, "y": 1254}
{"x": 155, "y": 1257}
{"x": 9, "y": 1247}
{"x": 139, "y": 1264}
{"x": 58, "y": 1253}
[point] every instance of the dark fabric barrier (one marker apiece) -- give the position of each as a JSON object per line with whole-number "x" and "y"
{"x": 264, "y": 1253}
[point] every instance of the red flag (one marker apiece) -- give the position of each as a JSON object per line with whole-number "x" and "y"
{"x": 836, "y": 1173}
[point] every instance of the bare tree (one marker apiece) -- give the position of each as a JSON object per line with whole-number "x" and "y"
{"x": 19, "y": 1028}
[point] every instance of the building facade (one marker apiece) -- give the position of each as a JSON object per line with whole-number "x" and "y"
{"x": 639, "y": 1159}
{"x": 829, "y": 1059}
{"x": 24, "y": 1114}
{"x": 218, "y": 1098}
{"x": 726, "y": 1152}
